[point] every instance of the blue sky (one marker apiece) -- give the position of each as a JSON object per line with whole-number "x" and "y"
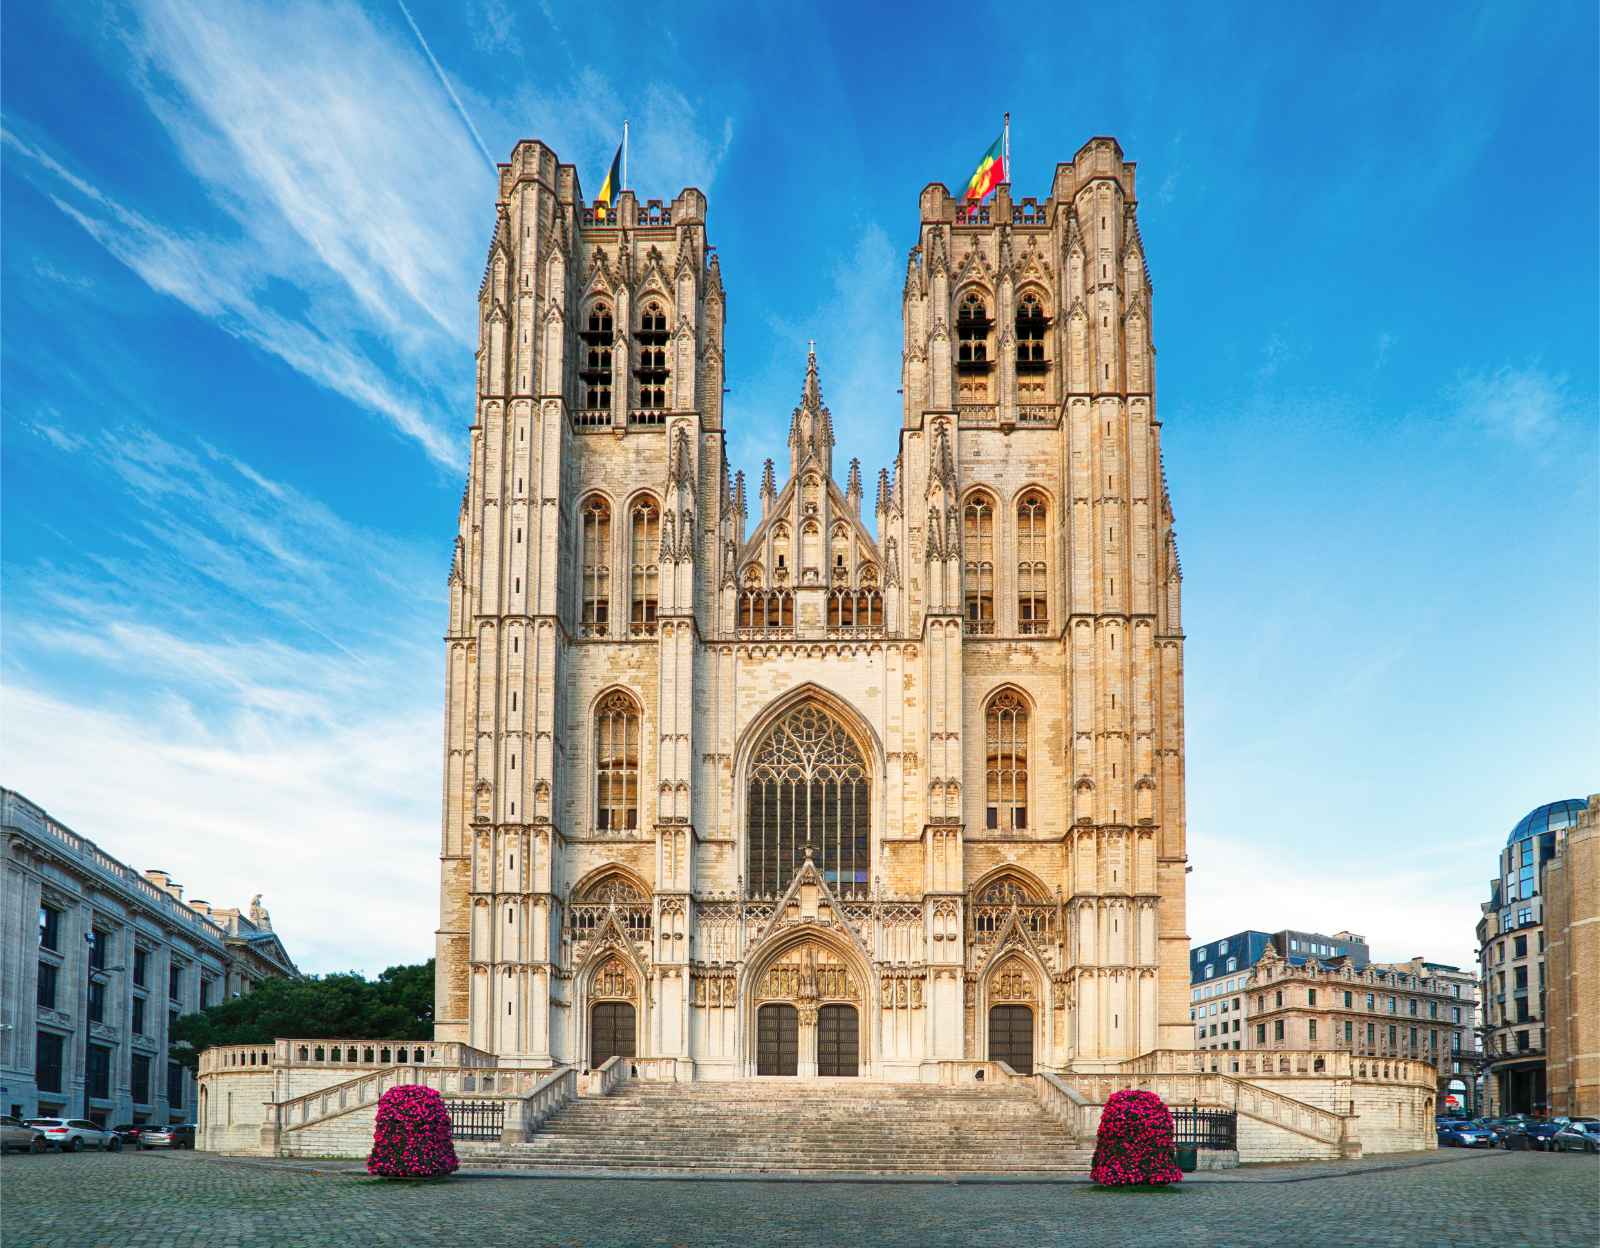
{"x": 237, "y": 291}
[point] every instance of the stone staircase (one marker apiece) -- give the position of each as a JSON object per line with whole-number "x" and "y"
{"x": 790, "y": 1126}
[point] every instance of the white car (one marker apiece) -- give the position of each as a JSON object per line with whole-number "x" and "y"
{"x": 13, "y": 1134}
{"x": 73, "y": 1135}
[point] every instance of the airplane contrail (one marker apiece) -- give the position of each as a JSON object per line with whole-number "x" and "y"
{"x": 445, "y": 83}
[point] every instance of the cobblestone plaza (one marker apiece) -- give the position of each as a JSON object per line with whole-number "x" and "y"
{"x": 138, "y": 1200}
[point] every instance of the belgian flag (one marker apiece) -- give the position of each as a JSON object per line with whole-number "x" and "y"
{"x": 611, "y": 187}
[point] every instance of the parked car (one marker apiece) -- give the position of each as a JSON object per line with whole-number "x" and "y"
{"x": 1581, "y": 1135}
{"x": 1534, "y": 1136}
{"x": 129, "y": 1132}
{"x": 14, "y": 1134}
{"x": 175, "y": 1135}
{"x": 73, "y": 1135}
{"x": 1464, "y": 1135}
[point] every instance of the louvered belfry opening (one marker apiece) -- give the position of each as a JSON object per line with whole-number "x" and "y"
{"x": 808, "y": 789}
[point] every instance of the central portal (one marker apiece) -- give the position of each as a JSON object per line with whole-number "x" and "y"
{"x": 838, "y": 1041}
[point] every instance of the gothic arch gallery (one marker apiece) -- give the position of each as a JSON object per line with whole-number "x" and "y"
{"x": 788, "y": 779}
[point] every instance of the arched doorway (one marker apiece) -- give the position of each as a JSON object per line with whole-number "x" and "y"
{"x": 777, "y": 1040}
{"x": 838, "y": 1041}
{"x": 1011, "y": 1037}
{"x": 613, "y": 1028}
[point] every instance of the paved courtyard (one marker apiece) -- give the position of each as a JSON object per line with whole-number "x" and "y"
{"x": 140, "y": 1200}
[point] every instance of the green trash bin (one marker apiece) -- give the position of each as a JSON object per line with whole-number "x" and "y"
{"x": 1188, "y": 1158}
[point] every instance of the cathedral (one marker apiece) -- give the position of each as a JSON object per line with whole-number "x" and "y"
{"x": 833, "y": 775}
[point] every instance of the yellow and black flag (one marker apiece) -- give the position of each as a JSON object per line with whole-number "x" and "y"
{"x": 612, "y": 186}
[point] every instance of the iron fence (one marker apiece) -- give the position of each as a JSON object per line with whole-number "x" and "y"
{"x": 1205, "y": 1128}
{"x": 476, "y": 1120}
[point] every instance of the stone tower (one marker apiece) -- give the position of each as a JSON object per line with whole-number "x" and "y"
{"x": 795, "y": 794}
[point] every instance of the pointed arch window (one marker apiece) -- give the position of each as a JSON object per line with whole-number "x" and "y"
{"x": 1006, "y": 762}
{"x": 978, "y": 541}
{"x": 598, "y": 337}
{"x": 652, "y": 371}
{"x": 646, "y": 550}
{"x": 972, "y": 334}
{"x": 595, "y": 616}
{"x": 1032, "y": 356}
{"x": 808, "y": 791}
{"x": 855, "y": 610}
{"x": 616, "y": 763}
{"x": 1033, "y": 564}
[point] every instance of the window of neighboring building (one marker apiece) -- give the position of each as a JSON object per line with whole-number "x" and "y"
{"x": 1311, "y": 1030}
{"x": 1394, "y": 1036}
{"x": 1372, "y": 1035}
{"x": 99, "y": 1072}
{"x": 1261, "y": 1033}
{"x": 1391, "y": 1005}
{"x": 1519, "y": 947}
{"x": 1349, "y": 1000}
{"x": 1455, "y": 1013}
{"x": 138, "y": 1016}
{"x": 50, "y": 928}
{"x": 1349, "y": 1032}
{"x": 1277, "y": 1030}
{"x": 49, "y": 976}
{"x": 1311, "y": 996}
{"x": 139, "y": 1078}
{"x": 1412, "y": 1007}
{"x": 1233, "y": 964}
{"x": 99, "y": 949}
{"x": 47, "y": 1051}
{"x": 1277, "y": 1001}
{"x": 208, "y": 992}
{"x": 1522, "y": 1042}
{"x": 174, "y": 981}
{"x": 97, "y": 1001}
{"x": 141, "y": 967}
{"x": 174, "y": 1086}
{"x": 1433, "y": 1009}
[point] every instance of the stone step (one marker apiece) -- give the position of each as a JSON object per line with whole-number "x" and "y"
{"x": 798, "y": 1127}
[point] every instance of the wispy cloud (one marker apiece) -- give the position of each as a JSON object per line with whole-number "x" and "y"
{"x": 244, "y": 646}
{"x": 1523, "y": 405}
{"x": 53, "y": 433}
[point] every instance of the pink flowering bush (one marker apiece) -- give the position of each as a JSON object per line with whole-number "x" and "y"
{"x": 412, "y": 1136}
{"x": 1135, "y": 1142}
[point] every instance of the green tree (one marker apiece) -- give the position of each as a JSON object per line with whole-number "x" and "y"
{"x": 398, "y": 1005}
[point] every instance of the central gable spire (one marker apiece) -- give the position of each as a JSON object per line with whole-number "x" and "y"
{"x": 811, "y": 427}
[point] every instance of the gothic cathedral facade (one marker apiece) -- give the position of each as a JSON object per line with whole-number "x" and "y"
{"x": 791, "y": 788}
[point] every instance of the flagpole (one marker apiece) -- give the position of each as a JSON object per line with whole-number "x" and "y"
{"x": 1008, "y": 147}
{"x": 624, "y": 155}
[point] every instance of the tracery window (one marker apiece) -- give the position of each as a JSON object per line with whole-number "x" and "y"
{"x": 616, "y": 762}
{"x": 978, "y": 538}
{"x": 1033, "y": 567}
{"x": 1031, "y": 324}
{"x": 808, "y": 790}
{"x": 646, "y": 549}
{"x": 1006, "y": 756}
{"x": 972, "y": 333}
{"x": 598, "y": 337}
{"x": 595, "y": 617}
{"x": 766, "y": 610}
{"x": 855, "y": 609}
{"x": 651, "y": 369}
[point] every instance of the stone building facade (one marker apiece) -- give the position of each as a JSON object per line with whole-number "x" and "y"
{"x": 1512, "y": 940}
{"x": 796, "y": 787}
{"x": 96, "y": 964}
{"x": 1571, "y": 889}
